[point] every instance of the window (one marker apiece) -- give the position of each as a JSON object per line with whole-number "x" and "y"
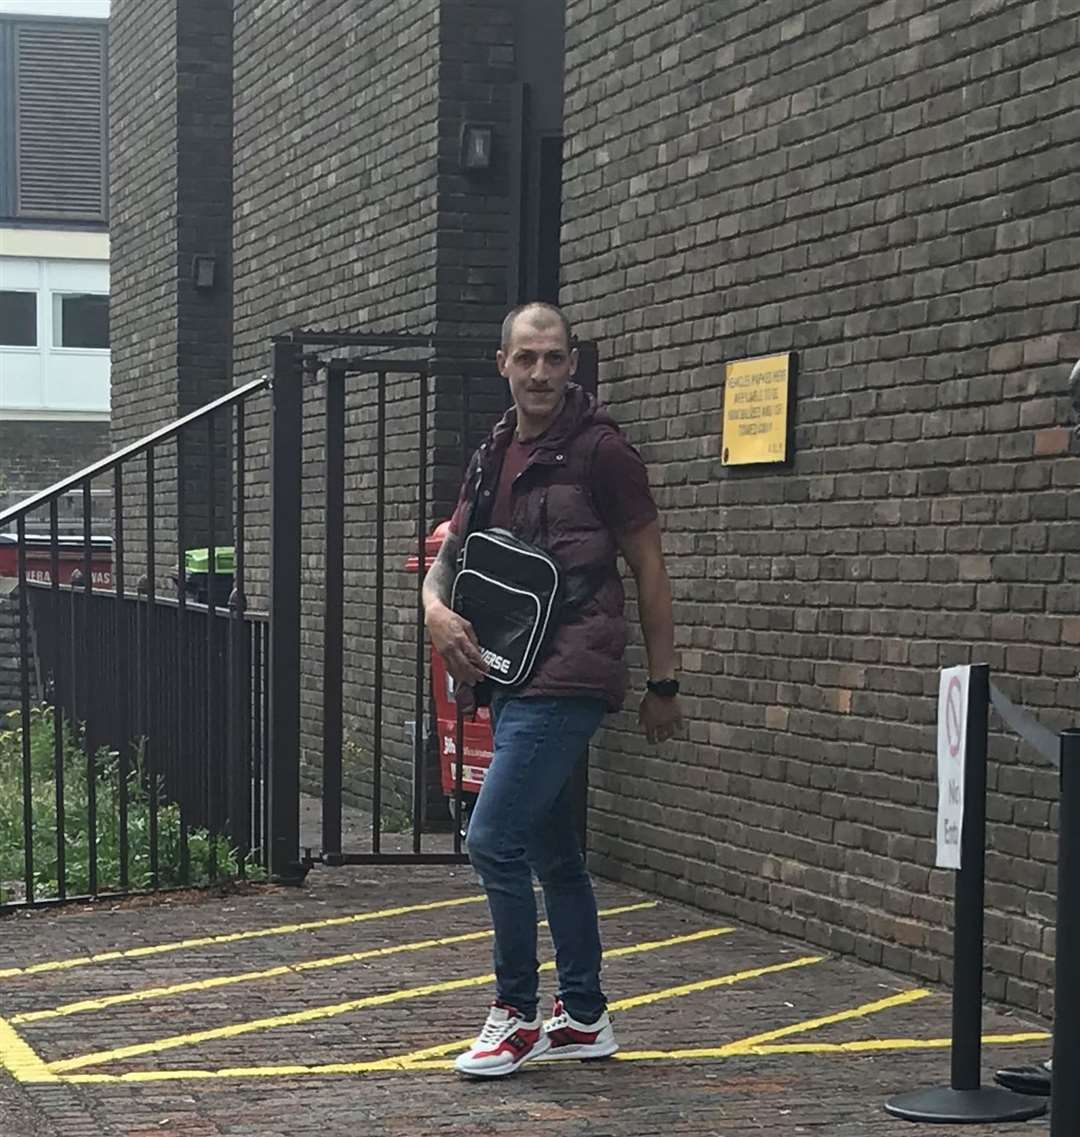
{"x": 80, "y": 320}
{"x": 53, "y": 137}
{"x": 18, "y": 319}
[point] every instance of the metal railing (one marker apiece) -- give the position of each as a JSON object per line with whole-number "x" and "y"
{"x": 448, "y": 394}
{"x": 173, "y": 727}
{"x": 142, "y": 721}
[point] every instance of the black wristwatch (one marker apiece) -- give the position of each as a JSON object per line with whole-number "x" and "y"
{"x": 665, "y": 688}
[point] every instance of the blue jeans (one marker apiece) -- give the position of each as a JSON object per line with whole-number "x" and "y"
{"x": 523, "y": 822}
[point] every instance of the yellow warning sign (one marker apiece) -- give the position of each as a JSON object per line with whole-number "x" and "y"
{"x": 756, "y": 395}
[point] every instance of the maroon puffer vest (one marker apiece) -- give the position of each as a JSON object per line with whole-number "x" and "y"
{"x": 552, "y": 506}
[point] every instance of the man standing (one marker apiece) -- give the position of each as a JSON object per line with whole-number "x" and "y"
{"x": 557, "y": 472}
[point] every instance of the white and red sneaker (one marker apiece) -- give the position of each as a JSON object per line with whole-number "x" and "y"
{"x": 506, "y": 1042}
{"x": 570, "y": 1039}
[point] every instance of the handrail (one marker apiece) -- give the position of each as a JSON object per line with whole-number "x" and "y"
{"x": 392, "y": 341}
{"x": 56, "y": 490}
{"x": 344, "y": 337}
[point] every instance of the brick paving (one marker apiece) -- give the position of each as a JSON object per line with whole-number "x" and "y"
{"x": 771, "y": 1092}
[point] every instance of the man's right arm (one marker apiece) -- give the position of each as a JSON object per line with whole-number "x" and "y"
{"x": 453, "y": 636}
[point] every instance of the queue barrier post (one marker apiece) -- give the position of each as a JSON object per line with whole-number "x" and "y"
{"x": 1065, "y": 1102}
{"x": 965, "y": 1099}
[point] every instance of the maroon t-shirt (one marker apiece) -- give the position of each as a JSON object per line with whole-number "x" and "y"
{"x": 620, "y": 485}
{"x": 515, "y": 460}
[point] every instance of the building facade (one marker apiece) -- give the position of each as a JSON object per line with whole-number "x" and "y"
{"x": 883, "y": 189}
{"x": 886, "y": 189}
{"x": 54, "y": 241}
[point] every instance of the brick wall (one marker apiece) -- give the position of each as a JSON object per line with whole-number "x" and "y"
{"x": 142, "y": 161}
{"x": 477, "y": 222}
{"x": 36, "y": 454}
{"x": 204, "y": 229}
{"x": 10, "y": 675}
{"x": 170, "y": 165}
{"x": 351, "y": 211}
{"x": 335, "y": 225}
{"x": 478, "y": 73}
{"x": 888, "y": 189}
{"x": 345, "y": 207}
{"x": 143, "y": 194}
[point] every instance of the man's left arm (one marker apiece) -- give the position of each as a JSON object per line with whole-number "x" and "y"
{"x": 659, "y": 716}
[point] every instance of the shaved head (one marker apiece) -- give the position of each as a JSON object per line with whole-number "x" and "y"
{"x": 538, "y": 314}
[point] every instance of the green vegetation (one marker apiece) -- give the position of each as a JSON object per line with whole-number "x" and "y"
{"x": 201, "y": 851}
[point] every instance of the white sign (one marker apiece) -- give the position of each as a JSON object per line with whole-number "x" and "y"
{"x": 951, "y": 745}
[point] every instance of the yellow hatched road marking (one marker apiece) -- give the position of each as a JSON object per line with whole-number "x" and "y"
{"x": 106, "y": 1001}
{"x": 754, "y": 1044}
{"x": 620, "y": 1005}
{"x": 19, "y": 1060}
{"x": 333, "y": 1010}
{"x": 234, "y": 937}
{"x": 719, "y": 981}
{"x": 899, "y": 1000}
{"x": 736, "y": 1050}
{"x": 872, "y": 1044}
{"x": 390, "y": 1066}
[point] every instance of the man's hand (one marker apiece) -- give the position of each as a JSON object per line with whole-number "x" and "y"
{"x": 456, "y": 642}
{"x": 660, "y": 718}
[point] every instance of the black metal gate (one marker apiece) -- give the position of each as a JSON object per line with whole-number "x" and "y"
{"x": 415, "y": 405}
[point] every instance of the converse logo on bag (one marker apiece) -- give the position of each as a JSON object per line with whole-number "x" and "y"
{"x": 495, "y": 662}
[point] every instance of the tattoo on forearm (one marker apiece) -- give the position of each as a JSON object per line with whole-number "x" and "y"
{"x": 440, "y": 577}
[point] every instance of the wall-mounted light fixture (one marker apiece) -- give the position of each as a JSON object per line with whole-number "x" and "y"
{"x": 202, "y": 272}
{"x": 476, "y": 143}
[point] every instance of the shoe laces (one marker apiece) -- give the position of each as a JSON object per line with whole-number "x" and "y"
{"x": 558, "y": 1020}
{"x": 501, "y": 1023}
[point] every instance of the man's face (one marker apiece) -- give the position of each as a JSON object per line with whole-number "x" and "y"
{"x": 537, "y": 363}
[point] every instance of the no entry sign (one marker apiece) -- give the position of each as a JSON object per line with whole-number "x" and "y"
{"x": 951, "y": 745}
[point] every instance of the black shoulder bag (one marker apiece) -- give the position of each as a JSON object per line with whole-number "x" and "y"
{"x": 510, "y": 592}
{"x": 515, "y": 595}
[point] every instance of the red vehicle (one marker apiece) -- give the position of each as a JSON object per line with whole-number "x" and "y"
{"x": 476, "y": 733}
{"x": 39, "y": 558}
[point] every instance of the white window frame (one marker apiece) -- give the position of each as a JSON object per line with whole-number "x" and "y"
{"x": 41, "y": 390}
{"x": 54, "y": 348}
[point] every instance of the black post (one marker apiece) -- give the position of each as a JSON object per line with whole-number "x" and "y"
{"x": 970, "y": 889}
{"x": 152, "y": 767}
{"x": 380, "y": 613}
{"x": 1065, "y": 1102}
{"x": 239, "y": 668}
{"x": 90, "y": 693}
{"x": 964, "y": 1099}
{"x": 125, "y": 733}
{"x": 55, "y": 655}
{"x": 333, "y": 612}
{"x": 286, "y": 457}
{"x": 212, "y": 758}
{"x": 458, "y": 806}
{"x": 186, "y": 760}
{"x": 419, "y": 748}
{"x": 24, "y": 712}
